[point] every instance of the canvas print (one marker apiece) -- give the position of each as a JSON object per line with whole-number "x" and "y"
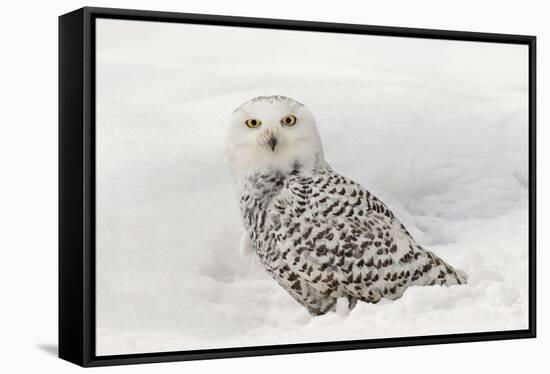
{"x": 261, "y": 187}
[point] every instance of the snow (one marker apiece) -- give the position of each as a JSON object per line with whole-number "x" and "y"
{"x": 436, "y": 129}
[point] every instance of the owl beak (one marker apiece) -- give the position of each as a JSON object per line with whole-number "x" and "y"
{"x": 271, "y": 141}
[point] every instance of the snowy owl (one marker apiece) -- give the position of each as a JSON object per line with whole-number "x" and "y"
{"x": 320, "y": 235}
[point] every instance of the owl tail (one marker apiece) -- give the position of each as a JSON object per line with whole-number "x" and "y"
{"x": 462, "y": 276}
{"x": 436, "y": 271}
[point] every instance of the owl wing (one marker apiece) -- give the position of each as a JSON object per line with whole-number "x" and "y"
{"x": 342, "y": 241}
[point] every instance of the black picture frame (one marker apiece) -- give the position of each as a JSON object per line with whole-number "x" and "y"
{"x": 77, "y": 185}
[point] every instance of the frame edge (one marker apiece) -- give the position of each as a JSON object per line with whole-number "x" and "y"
{"x": 71, "y": 261}
{"x": 532, "y": 185}
{"x": 305, "y": 25}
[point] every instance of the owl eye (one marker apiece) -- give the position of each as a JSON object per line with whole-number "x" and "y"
{"x": 289, "y": 120}
{"x": 252, "y": 123}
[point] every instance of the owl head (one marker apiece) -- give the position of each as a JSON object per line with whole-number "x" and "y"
{"x": 271, "y": 132}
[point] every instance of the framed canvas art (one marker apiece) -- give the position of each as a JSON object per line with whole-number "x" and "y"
{"x": 237, "y": 186}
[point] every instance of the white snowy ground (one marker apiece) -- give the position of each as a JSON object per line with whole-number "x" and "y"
{"x": 437, "y": 130}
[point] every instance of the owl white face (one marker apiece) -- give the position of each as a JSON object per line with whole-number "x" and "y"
{"x": 271, "y": 132}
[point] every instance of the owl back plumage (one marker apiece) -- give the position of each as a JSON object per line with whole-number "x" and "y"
{"x": 322, "y": 237}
